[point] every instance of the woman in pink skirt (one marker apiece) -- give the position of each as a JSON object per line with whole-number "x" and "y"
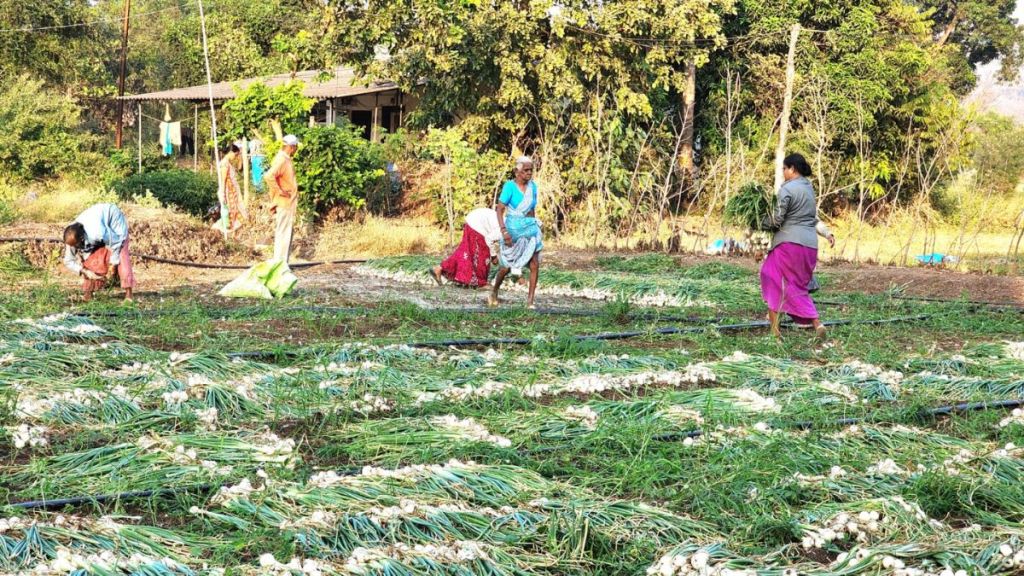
{"x": 789, "y": 268}
{"x": 470, "y": 264}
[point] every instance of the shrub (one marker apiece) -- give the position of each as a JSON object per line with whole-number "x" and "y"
{"x": 8, "y": 205}
{"x": 470, "y": 180}
{"x": 40, "y": 136}
{"x": 191, "y": 192}
{"x": 335, "y": 167}
{"x": 125, "y": 162}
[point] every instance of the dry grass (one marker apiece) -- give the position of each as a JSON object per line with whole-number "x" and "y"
{"x": 59, "y": 202}
{"x": 379, "y": 237}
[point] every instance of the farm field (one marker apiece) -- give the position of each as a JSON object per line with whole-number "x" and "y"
{"x": 376, "y": 424}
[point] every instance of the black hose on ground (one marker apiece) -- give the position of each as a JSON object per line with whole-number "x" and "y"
{"x": 294, "y": 266}
{"x": 659, "y": 331}
{"x": 974, "y": 304}
{"x": 649, "y": 316}
{"x": 102, "y": 498}
{"x": 134, "y": 495}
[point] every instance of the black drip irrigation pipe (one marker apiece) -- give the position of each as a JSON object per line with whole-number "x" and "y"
{"x": 135, "y": 495}
{"x": 295, "y": 266}
{"x": 940, "y": 411}
{"x": 971, "y": 303}
{"x": 102, "y": 498}
{"x": 659, "y": 331}
{"x": 240, "y": 311}
{"x": 350, "y": 310}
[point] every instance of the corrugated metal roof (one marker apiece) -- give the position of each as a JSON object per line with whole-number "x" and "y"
{"x": 343, "y": 83}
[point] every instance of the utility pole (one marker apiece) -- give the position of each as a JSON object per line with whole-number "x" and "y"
{"x": 689, "y": 109}
{"x": 119, "y": 133}
{"x": 787, "y": 105}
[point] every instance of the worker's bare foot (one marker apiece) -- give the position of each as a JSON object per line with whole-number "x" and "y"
{"x": 819, "y": 331}
{"x": 492, "y": 300}
{"x": 776, "y": 333}
{"x": 531, "y": 306}
{"x": 86, "y": 297}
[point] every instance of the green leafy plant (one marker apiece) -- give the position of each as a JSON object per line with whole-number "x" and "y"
{"x": 469, "y": 178}
{"x": 40, "y": 136}
{"x": 192, "y": 192}
{"x": 8, "y": 206}
{"x": 335, "y": 167}
{"x": 257, "y": 107}
{"x": 749, "y": 206}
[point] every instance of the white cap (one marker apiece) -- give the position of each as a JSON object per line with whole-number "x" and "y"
{"x": 238, "y": 144}
{"x": 290, "y": 140}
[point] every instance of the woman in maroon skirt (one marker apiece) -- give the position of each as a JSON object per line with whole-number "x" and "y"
{"x": 788, "y": 270}
{"x": 471, "y": 262}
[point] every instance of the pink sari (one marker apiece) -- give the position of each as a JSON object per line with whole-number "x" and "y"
{"x": 98, "y": 261}
{"x": 785, "y": 276}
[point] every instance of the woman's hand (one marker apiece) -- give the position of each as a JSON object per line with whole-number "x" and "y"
{"x": 507, "y": 237}
{"x": 831, "y": 240}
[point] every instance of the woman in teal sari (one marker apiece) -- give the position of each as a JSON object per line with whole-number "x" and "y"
{"x": 520, "y": 230}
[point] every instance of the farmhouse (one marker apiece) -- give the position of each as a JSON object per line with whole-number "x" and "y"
{"x": 376, "y": 106}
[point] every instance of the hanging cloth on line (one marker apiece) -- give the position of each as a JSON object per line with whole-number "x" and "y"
{"x": 170, "y": 136}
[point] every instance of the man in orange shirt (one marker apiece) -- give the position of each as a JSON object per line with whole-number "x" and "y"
{"x": 284, "y": 196}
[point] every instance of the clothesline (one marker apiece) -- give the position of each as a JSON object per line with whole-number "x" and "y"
{"x": 188, "y": 122}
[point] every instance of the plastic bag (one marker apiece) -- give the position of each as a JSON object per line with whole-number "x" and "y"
{"x": 266, "y": 280}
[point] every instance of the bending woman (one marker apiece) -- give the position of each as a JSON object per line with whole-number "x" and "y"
{"x": 789, "y": 268}
{"x": 471, "y": 262}
{"x": 520, "y": 230}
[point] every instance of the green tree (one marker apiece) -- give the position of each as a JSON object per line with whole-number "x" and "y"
{"x": 336, "y": 167}
{"x": 39, "y": 38}
{"x": 259, "y": 107}
{"x": 505, "y": 69}
{"x": 41, "y": 136}
{"x": 979, "y": 31}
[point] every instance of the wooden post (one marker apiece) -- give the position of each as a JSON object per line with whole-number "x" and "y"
{"x": 138, "y": 120}
{"x": 245, "y": 171}
{"x": 209, "y": 85}
{"x": 195, "y": 141}
{"x": 787, "y": 105}
{"x": 689, "y": 108}
{"x": 119, "y": 131}
{"x": 375, "y": 128}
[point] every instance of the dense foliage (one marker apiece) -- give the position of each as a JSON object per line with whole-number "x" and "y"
{"x": 38, "y": 138}
{"x": 258, "y": 109}
{"x": 188, "y": 191}
{"x": 335, "y": 167}
{"x": 637, "y": 109}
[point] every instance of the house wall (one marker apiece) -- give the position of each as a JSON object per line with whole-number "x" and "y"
{"x": 378, "y": 114}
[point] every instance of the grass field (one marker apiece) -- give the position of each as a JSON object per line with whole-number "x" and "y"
{"x": 301, "y": 438}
